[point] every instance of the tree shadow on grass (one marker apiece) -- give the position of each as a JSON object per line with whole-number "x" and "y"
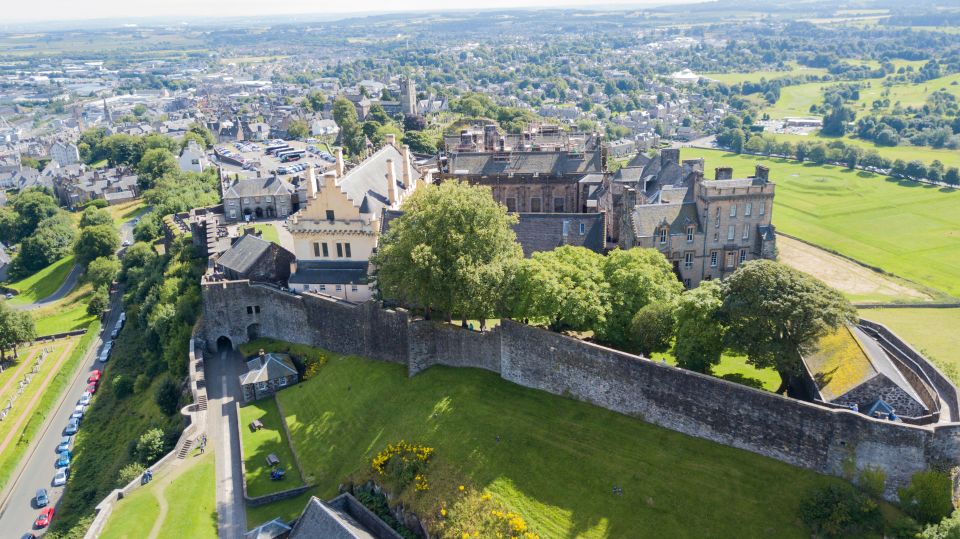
{"x": 739, "y": 378}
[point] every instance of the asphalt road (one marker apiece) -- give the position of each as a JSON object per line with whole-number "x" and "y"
{"x": 223, "y": 371}
{"x": 71, "y": 281}
{"x": 17, "y": 510}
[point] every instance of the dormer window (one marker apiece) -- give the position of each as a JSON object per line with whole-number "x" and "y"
{"x": 690, "y": 230}
{"x": 663, "y": 235}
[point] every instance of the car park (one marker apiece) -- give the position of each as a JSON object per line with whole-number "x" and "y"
{"x": 63, "y": 459}
{"x": 41, "y": 498}
{"x": 43, "y": 519}
{"x": 64, "y": 444}
{"x": 60, "y": 478}
{"x": 72, "y": 427}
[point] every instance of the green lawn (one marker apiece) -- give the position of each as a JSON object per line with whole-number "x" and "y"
{"x": 67, "y": 314}
{"x": 553, "y": 460}
{"x": 735, "y": 369}
{"x": 42, "y": 283}
{"x": 133, "y": 517}
{"x": 755, "y": 76}
{"x": 907, "y": 94}
{"x": 905, "y": 228}
{"x": 191, "y": 505}
{"x": 796, "y": 100}
{"x": 933, "y": 332}
{"x": 268, "y": 232}
{"x": 192, "y": 502}
{"x": 257, "y": 445}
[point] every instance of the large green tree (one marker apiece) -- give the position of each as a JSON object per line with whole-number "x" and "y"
{"x": 16, "y": 328}
{"x": 636, "y": 278}
{"x": 93, "y": 216}
{"x": 653, "y": 328}
{"x": 563, "y": 288}
{"x": 155, "y": 164}
{"x": 50, "y": 242}
{"x": 102, "y": 271}
{"x": 450, "y": 251}
{"x": 351, "y": 136}
{"x": 700, "y": 331}
{"x": 775, "y": 314}
{"x": 33, "y": 206}
{"x": 96, "y": 241}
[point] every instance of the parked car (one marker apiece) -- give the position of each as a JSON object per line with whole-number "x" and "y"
{"x": 60, "y": 478}
{"x": 43, "y": 520}
{"x": 64, "y": 444}
{"x": 92, "y": 388}
{"x": 63, "y": 460}
{"x": 28, "y": 536}
{"x": 84, "y": 399}
{"x": 94, "y": 376}
{"x": 72, "y": 427}
{"x": 41, "y": 498}
{"x": 78, "y": 412}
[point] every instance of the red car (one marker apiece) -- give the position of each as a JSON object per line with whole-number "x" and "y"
{"x": 44, "y": 519}
{"x": 92, "y": 388}
{"x": 94, "y": 377}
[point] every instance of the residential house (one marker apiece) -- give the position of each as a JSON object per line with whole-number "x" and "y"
{"x": 192, "y": 158}
{"x": 266, "y": 374}
{"x": 64, "y": 153}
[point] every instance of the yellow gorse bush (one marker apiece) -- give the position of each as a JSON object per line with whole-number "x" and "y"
{"x": 404, "y": 451}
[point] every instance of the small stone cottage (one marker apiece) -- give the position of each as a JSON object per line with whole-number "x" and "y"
{"x": 266, "y": 374}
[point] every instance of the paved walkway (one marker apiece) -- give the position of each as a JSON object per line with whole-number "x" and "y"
{"x": 68, "y": 284}
{"x": 222, "y": 374}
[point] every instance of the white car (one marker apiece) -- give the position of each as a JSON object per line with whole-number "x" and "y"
{"x": 60, "y": 478}
{"x": 85, "y": 399}
{"x": 78, "y": 412}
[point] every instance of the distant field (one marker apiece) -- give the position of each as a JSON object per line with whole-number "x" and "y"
{"x": 755, "y": 76}
{"x": 908, "y": 94}
{"x": 902, "y": 227}
{"x": 931, "y": 331}
{"x": 949, "y": 158}
{"x": 796, "y": 100}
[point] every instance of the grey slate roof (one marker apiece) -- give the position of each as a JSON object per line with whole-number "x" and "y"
{"x": 366, "y": 184}
{"x": 341, "y": 518}
{"x": 269, "y": 367}
{"x": 558, "y": 163}
{"x": 330, "y": 272}
{"x": 255, "y": 187}
{"x": 244, "y": 253}
{"x": 544, "y": 231}
{"x": 268, "y": 530}
{"x": 648, "y": 217}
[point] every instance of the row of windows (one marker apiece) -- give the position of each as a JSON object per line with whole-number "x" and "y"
{"x": 747, "y": 210}
{"x": 262, "y": 386}
{"x": 536, "y": 204}
{"x": 731, "y": 258}
{"x": 338, "y": 288}
{"x": 321, "y": 250}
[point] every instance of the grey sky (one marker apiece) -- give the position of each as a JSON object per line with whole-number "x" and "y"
{"x": 38, "y": 10}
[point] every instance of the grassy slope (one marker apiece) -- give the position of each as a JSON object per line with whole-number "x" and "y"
{"x": 42, "y": 283}
{"x": 908, "y": 94}
{"x": 67, "y": 314}
{"x": 931, "y": 331}
{"x": 556, "y": 460}
{"x": 905, "y": 228}
{"x": 98, "y": 456}
{"x": 191, "y": 503}
{"x": 257, "y": 445}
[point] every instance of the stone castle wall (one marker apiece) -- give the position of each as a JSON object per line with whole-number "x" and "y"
{"x": 825, "y": 440}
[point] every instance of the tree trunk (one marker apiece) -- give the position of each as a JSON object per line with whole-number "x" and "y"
{"x": 483, "y": 324}
{"x": 463, "y": 322}
{"x": 785, "y": 381}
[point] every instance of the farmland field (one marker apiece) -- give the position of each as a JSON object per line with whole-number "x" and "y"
{"x": 904, "y": 228}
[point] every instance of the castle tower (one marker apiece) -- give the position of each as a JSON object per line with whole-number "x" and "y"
{"x": 408, "y": 96}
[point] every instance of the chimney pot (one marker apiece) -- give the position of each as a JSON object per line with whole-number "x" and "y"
{"x": 391, "y": 183}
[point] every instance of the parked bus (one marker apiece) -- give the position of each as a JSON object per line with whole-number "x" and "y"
{"x": 292, "y": 156}
{"x": 271, "y": 150}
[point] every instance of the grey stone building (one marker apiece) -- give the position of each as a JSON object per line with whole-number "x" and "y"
{"x": 257, "y": 198}
{"x": 256, "y": 259}
{"x": 706, "y": 228}
{"x": 341, "y": 518}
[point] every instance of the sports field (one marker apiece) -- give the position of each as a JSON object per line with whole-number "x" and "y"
{"x": 796, "y": 100}
{"x": 950, "y": 158}
{"x": 904, "y": 228}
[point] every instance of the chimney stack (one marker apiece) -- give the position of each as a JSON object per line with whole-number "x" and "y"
{"x": 391, "y": 139}
{"x": 405, "y": 173}
{"x": 311, "y": 180}
{"x": 723, "y": 173}
{"x": 339, "y": 162}
{"x": 391, "y": 183}
{"x": 329, "y": 180}
{"x": 763, "y": 173}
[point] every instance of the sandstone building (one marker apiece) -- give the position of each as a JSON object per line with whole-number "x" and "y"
{"x": 706, "y": 228}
